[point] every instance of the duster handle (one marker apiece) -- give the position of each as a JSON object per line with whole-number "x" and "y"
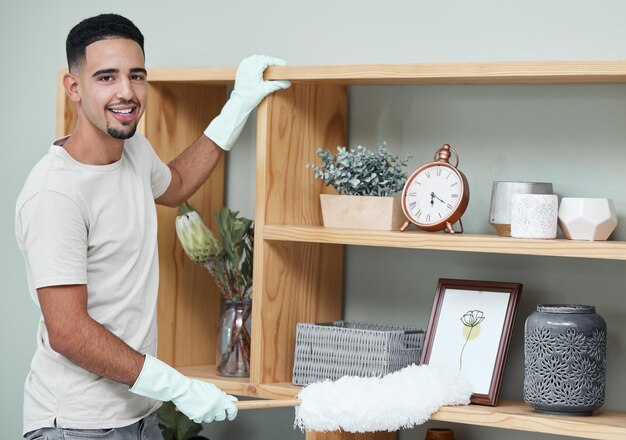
{"x": 262, "y": 404}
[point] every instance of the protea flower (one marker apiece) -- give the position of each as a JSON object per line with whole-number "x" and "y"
{"x": 198, "y": 241}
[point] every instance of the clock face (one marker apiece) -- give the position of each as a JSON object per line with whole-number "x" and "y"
{"x": 433, "y": 194}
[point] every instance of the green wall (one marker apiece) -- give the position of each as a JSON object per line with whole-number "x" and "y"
{"x": 539, "y": 133}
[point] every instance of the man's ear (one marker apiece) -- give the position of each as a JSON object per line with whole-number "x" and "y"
{"x": 70, "y": 83}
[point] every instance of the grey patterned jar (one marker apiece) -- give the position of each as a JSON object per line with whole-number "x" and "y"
{"x": 565, "y": 359}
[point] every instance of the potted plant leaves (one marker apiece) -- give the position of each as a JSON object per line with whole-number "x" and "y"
{"x": 367, "y": 183}
{"x": 175, "y": 425}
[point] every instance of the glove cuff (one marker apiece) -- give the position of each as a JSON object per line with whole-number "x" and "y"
{"x": 157, "y": 380}
{"x": 227, "y": 126}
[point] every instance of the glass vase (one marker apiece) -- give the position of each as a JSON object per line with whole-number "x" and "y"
{"x": 233, "y": 344}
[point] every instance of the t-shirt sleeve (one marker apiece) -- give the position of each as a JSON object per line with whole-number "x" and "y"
{"x": 53, "y": 235}
{"x": 161, "y": 175}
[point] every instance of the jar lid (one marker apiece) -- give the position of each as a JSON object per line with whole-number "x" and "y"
{"x": 565, "y": 308}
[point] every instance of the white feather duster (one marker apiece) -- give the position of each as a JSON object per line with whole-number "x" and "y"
{"x": 398, "y": 400}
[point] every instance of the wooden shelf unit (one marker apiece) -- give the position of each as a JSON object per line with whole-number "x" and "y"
{"x": 298, "y": 275}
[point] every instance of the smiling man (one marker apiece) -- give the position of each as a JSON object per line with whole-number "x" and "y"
{"x": 86, "y": 224}
{"x": 109, "y": 87}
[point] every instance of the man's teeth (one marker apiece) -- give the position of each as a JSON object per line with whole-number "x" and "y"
{"x": 124, "y": 112}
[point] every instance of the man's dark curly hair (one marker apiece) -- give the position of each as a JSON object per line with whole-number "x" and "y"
{"x": 98, "y": 28}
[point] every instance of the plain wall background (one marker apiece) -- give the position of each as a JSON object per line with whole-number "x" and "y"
{"x": 572, "y": 136}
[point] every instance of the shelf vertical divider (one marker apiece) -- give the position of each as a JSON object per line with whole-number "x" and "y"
{"x": 293, "y": 282}
{"x": 189, "y": 303}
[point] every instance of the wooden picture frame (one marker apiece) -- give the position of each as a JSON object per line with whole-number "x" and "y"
{"x": 463, "y": 311}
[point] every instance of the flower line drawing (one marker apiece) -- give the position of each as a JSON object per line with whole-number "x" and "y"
{"x": 471, "y": 319}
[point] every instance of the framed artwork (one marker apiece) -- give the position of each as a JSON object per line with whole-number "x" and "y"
{"x": 470, "y": 328}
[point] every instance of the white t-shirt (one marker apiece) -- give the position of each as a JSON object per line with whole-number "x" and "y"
{"x": 93, "y": 225}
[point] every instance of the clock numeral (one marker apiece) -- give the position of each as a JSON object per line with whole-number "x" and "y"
{"x": 413, "y": 194}
{"x": 418, "y": 213}
{"x": 449, "y": 174}
{"x": 412, "y": 205}
{"x": 428, "y": 217}
{"x": 455, "y": 184}
{"x": 454, "y": 196}
{"x": 439, "y": 214}
{"x": 449, "y": 206}
{"x": 427, "y": 173}
{"x": 438, "y": 172}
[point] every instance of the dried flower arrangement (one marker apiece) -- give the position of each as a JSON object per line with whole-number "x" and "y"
{"x": 228, "y": 259}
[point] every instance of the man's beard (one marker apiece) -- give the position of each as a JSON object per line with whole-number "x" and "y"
{"x": 120, "y": 133}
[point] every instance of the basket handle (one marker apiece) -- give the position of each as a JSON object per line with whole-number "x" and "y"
{"x": 267, "y": 403}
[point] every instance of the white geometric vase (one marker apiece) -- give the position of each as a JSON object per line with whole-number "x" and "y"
{"x": 583, "y": 218}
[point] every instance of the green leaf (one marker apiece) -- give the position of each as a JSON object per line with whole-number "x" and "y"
{"x": 167, "y": 434}
{"x": 187, "y": 428}
{"x": 166, "y": 415}
{"x": 175, "y": 425}
{"x": 236, "y": 237}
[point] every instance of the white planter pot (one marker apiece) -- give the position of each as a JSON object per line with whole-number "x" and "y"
{"x": 362, "y": 212}
{"x": 534, "y": 215}
{"x": 589, "y": 219}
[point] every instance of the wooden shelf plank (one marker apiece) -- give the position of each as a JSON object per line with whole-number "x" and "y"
{"x": 610, "y": 250}
{"x": 604, "y": 425}
{"x": 240, "y": 386}
{"x": 199, "y": 75}
{"x": 518, "y": 72}
{"x": 514, "y": 72}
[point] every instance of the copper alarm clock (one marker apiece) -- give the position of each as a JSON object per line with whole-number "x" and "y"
{"x": 436, "y": 195}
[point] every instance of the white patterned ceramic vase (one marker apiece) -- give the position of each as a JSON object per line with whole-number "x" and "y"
{"x": 534, "y": 215}
{"x": 583, "y": 218}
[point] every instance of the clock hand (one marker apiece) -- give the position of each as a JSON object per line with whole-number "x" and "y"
{"x": 433, "y": 195}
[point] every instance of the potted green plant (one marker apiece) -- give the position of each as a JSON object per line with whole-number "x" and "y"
{"x": 229, "y": 261}
{"x": 367, "y": 183}
{"x": 175, "y": 425}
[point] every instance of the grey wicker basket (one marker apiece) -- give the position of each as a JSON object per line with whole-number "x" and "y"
{"x": 336, "y": 349}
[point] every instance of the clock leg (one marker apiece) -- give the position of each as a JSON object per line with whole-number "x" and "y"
{"x": 450, "y": 228}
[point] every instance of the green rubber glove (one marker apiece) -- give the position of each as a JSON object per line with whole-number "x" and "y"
{"x": 198, "y": 400}
{"x": 249, "y": 91}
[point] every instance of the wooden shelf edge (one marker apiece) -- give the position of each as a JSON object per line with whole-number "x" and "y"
{"x": 610, "y": 250}
{"x": 240, "y": 386}
{"x": 203, "y": 75}
{"x": 604, "y": 425}
{"x": 513, "y": 72}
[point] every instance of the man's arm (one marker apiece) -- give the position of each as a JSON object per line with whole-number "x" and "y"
{"x": 194, "y": 165}
{"x": 75, "y": 335}
{"x": 190, "y": 170}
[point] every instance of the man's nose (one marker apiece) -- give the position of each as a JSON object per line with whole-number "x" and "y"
{"x": 125, "y": 89}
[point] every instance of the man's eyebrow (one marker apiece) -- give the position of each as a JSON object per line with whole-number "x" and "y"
{"x": 139, "y": 70}
{"x": 105, "y": 72}
{"x": 110, "y": 71}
